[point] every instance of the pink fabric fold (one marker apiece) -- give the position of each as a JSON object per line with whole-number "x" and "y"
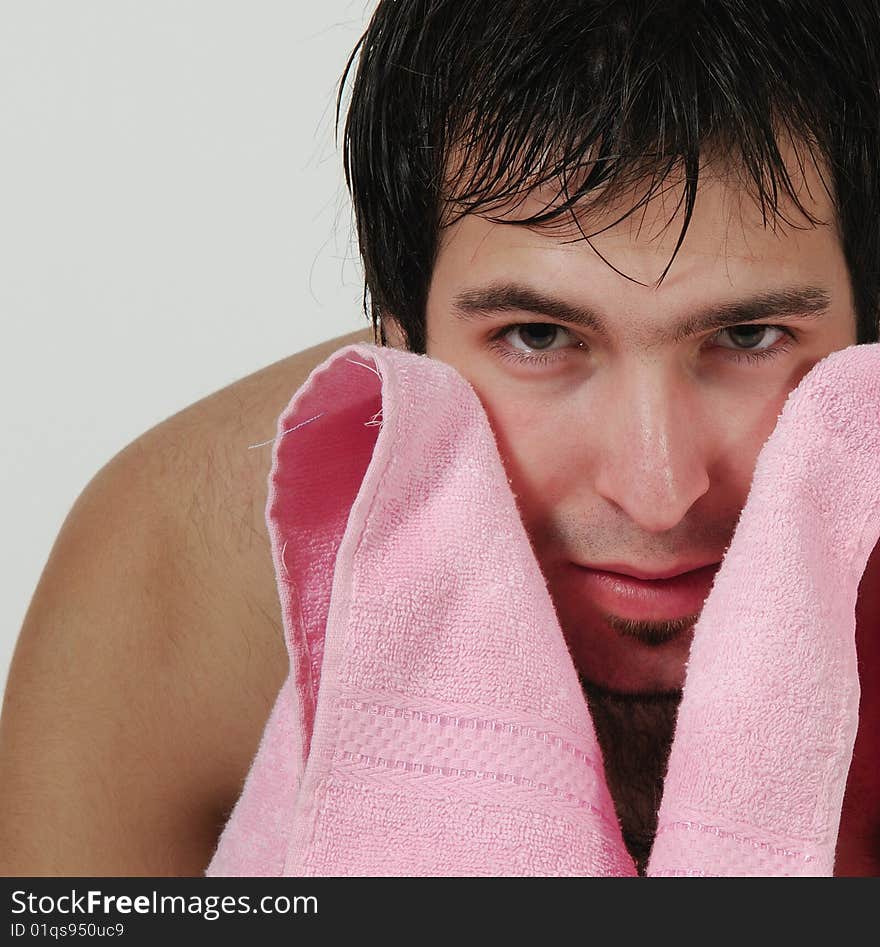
{"x": 433, "y": 722}
{"x": 769, "y": 715}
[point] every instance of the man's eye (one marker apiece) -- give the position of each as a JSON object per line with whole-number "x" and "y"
{"x": 751, "y": 336}
{"x": 534, "y": 336}
{"x": 750, "y": 341}
{"x": 539, "y": 343}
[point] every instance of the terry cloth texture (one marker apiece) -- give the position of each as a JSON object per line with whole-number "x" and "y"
{"x": 433, "y": 722}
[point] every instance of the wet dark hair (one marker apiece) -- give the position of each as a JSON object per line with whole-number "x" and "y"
{"x": 459, "y": 105}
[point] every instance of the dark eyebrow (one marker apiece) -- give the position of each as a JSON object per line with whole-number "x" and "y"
{"x": 798, "y": 302}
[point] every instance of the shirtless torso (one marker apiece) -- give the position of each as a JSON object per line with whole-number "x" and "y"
{"x": 216, "y": 659}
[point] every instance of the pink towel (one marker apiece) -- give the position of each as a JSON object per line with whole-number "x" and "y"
{"x": 433, "y": 722}
{"x": 769, "y": 714}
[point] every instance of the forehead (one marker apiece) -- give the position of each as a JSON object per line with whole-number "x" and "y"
{"x": 627, "y": 240}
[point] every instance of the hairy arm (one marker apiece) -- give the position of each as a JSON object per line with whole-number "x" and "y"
{"x": 107, "y": 766}
{"x": 152, "y": 651}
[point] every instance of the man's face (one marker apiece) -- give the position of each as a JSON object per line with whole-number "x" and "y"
{"x": 630, "y": 436}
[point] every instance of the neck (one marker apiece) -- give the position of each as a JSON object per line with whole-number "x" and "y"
{"x": 635, "y": 734}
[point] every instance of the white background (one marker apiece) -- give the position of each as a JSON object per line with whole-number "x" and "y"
{"x": 173, "y": 216}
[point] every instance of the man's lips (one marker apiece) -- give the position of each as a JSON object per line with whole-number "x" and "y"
{"x": 674, "y": 594}
{"x": 650, "y": 573}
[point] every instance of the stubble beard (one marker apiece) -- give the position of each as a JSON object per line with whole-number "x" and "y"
{"x": 651, "y": 633}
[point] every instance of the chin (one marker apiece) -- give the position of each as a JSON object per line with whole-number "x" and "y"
{"x": 632, "y": 658}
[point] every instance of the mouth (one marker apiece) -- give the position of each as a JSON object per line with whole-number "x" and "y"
{"x": 637, "y": 596}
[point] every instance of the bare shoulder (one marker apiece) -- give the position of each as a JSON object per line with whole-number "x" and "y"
{"x": 217, "y": 484}
{"x": 152, "y": 649}
{"x": 218, "y": 489}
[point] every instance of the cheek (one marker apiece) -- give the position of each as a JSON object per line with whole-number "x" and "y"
{"x": 533, "y": 436}
{"x": 734, "y": 429}
{"x": 745, "y": 419}
{"x": 544, "y": 455}
{"x": 739, "y": 451}
{"x": 552, "y": 452}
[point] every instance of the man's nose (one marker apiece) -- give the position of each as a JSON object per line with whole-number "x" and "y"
{"x": 652, "y": 453}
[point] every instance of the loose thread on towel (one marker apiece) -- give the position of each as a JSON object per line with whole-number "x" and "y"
{"x": 288, "y": 431}
{"x": 374, "y": 421}
{"x": 369, "y": 368}
{"x": 283, "y": 562}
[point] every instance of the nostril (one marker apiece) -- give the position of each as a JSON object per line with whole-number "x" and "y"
{"x": 656, "y": 503}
